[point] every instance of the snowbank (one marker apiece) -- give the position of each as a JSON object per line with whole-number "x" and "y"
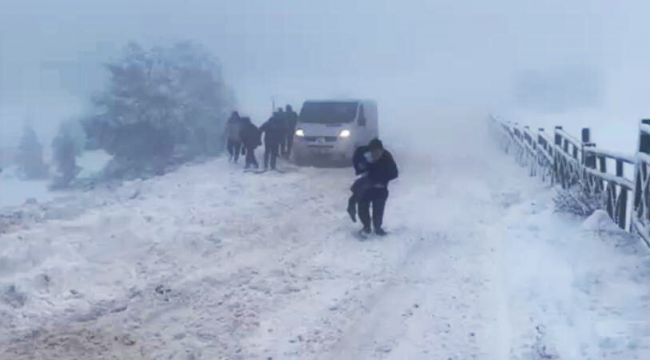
{"x": 600, "y": 221}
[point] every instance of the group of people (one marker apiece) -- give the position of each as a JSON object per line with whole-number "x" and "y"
{"x": 374, "y": 165}
{"x": 243, "y": 137}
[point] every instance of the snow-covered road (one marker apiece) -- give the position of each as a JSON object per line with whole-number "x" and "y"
{"x": 212, "y": 263}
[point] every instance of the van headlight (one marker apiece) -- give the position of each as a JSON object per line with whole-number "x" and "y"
{"x": 300, "y": 132}
{"x": 344, "y": 134}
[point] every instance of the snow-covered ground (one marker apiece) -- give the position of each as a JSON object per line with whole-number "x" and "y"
{"x": 15, "y": 191}
{"x": 213, "y": 263}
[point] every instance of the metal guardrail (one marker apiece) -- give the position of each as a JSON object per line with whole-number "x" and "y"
{"x": 567, "y": 161}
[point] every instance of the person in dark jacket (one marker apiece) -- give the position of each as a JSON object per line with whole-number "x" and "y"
{"x": 382, "y": 169}
{"x": 233, "y": 136}
{"x": 360, "y": 160}
{"x": 274, "y": 131}
{"x": 291, "y": 123}
{"x": 251, "y": 139}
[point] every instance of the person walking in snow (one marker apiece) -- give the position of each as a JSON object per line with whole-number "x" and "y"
{"x": 291, "y": 119}
{"x": 282, "y": 123}
{"x": 233, "y": 136}
{"x": 381, "y": 169}
{"x": 251, "y": 139}
{"x": 274, "y": 131}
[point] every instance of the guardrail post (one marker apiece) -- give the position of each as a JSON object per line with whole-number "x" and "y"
{"x": 558, "y": 137}
{"x": 644, "y": 139}
{"x": 586, "y": 140}
{"x": 556, "y": 163}
{"x": 586, "y": 135}
{"x": 621, "y": 211}
{"x": 589, "y": 157}
{"x": 640, "y": 210}
{"x": 602, "y": 161}
{"x": 619, "y": 167}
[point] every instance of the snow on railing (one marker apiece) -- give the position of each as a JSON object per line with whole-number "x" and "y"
{"x": 564, "y": 160}
{"x": 645, "y": 128}
{"x": 611, "y": 154}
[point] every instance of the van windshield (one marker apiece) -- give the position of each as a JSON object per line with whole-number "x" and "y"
{"x": 331, "y": 112}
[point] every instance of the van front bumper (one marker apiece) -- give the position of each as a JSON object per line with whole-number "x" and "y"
{"x": 323, "y": 147}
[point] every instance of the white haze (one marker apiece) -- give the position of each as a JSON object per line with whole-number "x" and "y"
{"x": 418, "y": 58}
{"x": 480, "y": 264}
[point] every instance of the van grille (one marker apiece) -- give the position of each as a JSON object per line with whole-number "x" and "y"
{"x": 325, "y": 138}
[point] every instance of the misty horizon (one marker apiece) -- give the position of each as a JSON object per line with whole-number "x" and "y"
{"x": 412, "y": 57}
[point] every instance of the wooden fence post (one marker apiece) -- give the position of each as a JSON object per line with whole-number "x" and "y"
{"x": 644, "y": 139}
{"x": 586, "y": 135}
{"x": 619, "y": 167}
{"x": 556, "y": 163}
{"x": 588, "y": 158}
{"x": 586, "y": 139}
{"x": 640, "y": 212}
{"x": 602, "y": 161}
{"x": 621, "y": 211}
{"x": 558, "y": 137}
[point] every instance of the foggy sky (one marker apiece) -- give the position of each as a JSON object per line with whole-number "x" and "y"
{"x": 412, "y": 56}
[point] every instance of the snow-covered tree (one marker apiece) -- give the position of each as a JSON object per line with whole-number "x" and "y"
{"x": 162, "y": 105}
{"x": 75, "y": 131}
{"x": 30, "y": 156}
{"x": 65, "y": 148}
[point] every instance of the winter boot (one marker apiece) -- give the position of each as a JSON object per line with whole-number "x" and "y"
{"x": 380, "y": 232}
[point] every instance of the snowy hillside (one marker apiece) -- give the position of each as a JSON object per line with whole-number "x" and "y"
{"x": 15, "y": 191}
{"x": 213, "y": 263}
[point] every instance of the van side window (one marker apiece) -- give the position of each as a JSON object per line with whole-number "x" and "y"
{"x": 362, "y": 117}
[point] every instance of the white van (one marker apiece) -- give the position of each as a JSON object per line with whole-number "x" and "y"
{"x": 333, "y": 129}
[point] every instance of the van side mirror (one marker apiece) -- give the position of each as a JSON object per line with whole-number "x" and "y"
{"x": 362, "y": 117}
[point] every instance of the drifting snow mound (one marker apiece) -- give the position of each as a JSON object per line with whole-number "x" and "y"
{"x": 600, "y": 221}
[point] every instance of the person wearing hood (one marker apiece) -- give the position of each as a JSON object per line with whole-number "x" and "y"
{"x": 251, "y": 139}
{"x": 380, "y": 169}
{"x": 291, "y": 120}
{"x": 233, "y": 136}
{"x": 274, "y": 131}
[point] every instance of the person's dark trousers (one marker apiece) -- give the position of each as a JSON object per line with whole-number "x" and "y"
{"x": 250, "y": 158}
{"x": 236, "y": 150}
{"x": 377, "y": 198}
{"x": 289, "y": 145}
{"x": 230, "y": 146}
{"x": 271, "y": 155}
{"x": 284, "y": 148}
